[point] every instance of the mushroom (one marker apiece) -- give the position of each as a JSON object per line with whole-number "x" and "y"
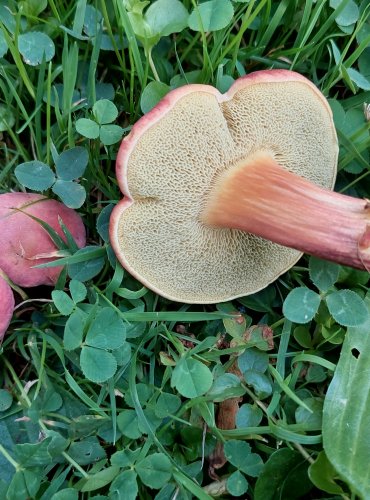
{"x": 223, "y": 192}
{"x": 6, "y": 305}
{"x": 25, "y": 243}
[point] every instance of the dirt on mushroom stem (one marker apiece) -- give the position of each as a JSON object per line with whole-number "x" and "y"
{"x": 261, "y": 197}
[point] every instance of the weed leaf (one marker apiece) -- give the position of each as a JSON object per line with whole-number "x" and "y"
{"x": 97, "y": 365}
{"x": 35, "y": 175}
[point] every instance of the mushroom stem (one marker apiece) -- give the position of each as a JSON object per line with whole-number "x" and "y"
{"x": 261, "y": 197}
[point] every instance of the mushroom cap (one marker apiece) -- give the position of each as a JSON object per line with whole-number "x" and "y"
{"x": 167, "y": 165}
{"x": 6, "y": 306}
{"x": 23, "y": 239}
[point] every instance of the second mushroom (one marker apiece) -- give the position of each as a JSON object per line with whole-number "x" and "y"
{"x": 223, "y": 192}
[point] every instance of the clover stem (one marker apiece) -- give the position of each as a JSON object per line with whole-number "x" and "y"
{"x": 261, "y": 197}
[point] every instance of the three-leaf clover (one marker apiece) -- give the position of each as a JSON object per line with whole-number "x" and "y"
{"x": 69, "y": 165}
{"x": 104, "y": 113}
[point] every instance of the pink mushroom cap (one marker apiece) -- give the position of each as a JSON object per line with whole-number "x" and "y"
{"x": 25, "y": 243}
{"x": 6, "y": 306}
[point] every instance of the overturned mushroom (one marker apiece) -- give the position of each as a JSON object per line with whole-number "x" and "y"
{"x": 25, "y": 243}
{"x": 206, "y": 176}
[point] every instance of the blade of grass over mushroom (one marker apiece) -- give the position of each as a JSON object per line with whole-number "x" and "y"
{"x": 94, "y": 253}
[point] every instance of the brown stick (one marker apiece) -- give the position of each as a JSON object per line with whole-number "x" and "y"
{"x": 261, "y": 197}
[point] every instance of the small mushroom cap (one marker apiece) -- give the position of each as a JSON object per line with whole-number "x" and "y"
{"x": 23, "y": 239}
{"x": 6, "y": 306}
{"x": 168, "y": 164}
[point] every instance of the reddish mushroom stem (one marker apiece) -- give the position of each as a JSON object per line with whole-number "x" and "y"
{"x": 261, "y": 197}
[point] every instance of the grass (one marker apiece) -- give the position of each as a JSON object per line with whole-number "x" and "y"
{"x": 133, "y": 409}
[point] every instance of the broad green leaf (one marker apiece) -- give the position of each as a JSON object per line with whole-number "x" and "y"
{"x": 301, "y": 305}
{"x": 167, "y": 491}
{"x": 6, "y": 400}
{"x": 36, "y": 47}
{"x": 155, "y": 470}
{"x": 346, "y": 412}
{"x": 78, "y": 291}
{"x": 135, "y": 330}
{"x": 124, "y": 458}
{"x": 35, "y": 175}
{"x": 349, "y": 14}
{"x": 100, "y": 479}
{"x": 347, "y": 308}
{"x": 107, "y": 331}
{"x": 323, "y": 273}
{"x": 65, "y": 494}
{"x": 122, "y": 354}
{"x": 303, "y": 336}
{"x": 339, "y": 114}
{"x": 185, "y": 78}
{"x": 297, "y": 484}
{"x": 191, "y": 378}
{"x": 33, "y": 7}
{"x": 225, "y": 386}
{"x": 224, "y": 82}
{"x": 86, "y": 451}
{"x": 124, "y": 486}
{"x": 312, "y": 419}
{"x": 97, "y": 365}
{"x": 253, "y": 359}
{"x": 235, "y": 326}
{"x": 316, "y": 374}
{"x": 41, "y": 453}
{"x": 86, "y": 270}
{"x": 105, "y": 111}
{"x": 364, "y": 62}
{"x": 166, "y": 17}
{"x": 24, "y": 484}
{"x": 260, "y": 383}
{"x": 88, "y": 128}
{"x": 7, "y": 118}
{"x": 324, "y": 476}
{"x": 93, "y": 18}
{"x": 211, "y": 16}
{"x": 71, "y": 193}
{"x": 74, "y": 329}
{"x": 7, "y": 18}
{"x": 128, "y": 424}
{"x": 110, "y": 134}
{"x": 357, "y": 78}
{"x": 167, "y": 404}
{"x": 152, "y": 94}
{"x": 237, "y": 484}
{"x": 144, "y": 393}
{"x": 52, "y": 401}
{"x": 151, "y": 418}
{"x": 3, "y": 45}
{"x": 239, "y": 454}
{"x": 71, "y": 164}
{"x": 271, "y": 480}
{"x": 248, "y": 416}
{"x": 142, "y": 30}
{"x": 261, "y": 301}
{"x": 62, "y": 302}
{"x": 7, "y": 439}
{"x": 102, "y": 222}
